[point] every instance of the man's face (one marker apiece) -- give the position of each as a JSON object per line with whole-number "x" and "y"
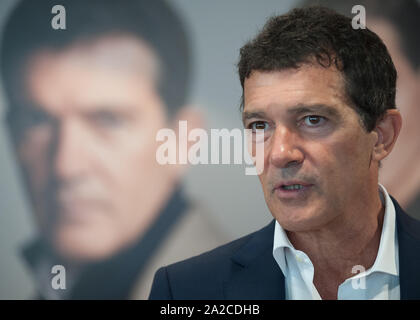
{"x": 88, "y": 148}
{"x": 313, "y": 140}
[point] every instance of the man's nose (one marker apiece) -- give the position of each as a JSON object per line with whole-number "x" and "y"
{"x": 68, "y": 152}
{"x": 285, "y": 149}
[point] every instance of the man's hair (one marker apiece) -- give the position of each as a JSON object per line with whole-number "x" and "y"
{"x": 29, "y": 29}
{"x": 403, "y": 15}
{"x": 320, "y": 35}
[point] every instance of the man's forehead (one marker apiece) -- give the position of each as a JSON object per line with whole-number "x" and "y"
{"x": 113, "y": 52}
{"x": 111, "y": 71}
{"x": 307, "y": 85}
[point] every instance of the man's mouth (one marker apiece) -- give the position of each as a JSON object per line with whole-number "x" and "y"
{"x": 80, "y": 207}
{"x": 291, "y": 189}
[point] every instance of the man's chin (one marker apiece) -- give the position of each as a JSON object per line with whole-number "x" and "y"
{"x": 77, "y": 245}
{"x": 300, "y": 220}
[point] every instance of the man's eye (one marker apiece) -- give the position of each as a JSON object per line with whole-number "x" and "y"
{"x": 258, "y": 125}
{"x": 33, "y": 118}
{"x": 106, "y": 119}
{"x": 314, "y": 121}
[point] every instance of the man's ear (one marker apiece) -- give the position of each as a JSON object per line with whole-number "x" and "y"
{"x": 387, "y": 131}
{"x": 188, "y": 117}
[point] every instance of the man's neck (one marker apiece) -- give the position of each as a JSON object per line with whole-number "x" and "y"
{"x": 352, "y": 239}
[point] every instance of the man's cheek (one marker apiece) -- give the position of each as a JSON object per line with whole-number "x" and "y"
{"x": 35, "y": 172}
{"x": 264, "y": 183}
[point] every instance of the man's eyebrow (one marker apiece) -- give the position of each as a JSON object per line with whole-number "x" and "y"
{"x": 252, "y": 114}
{"x": 296, "y": 110}
{"x": 300, "y": 109}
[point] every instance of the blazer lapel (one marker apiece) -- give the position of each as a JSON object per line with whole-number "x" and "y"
{"x": 409, "y": 254}
{"x": 256, "y": 275}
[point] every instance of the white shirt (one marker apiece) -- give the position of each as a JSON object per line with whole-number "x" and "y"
{"x": 381, "y": 281}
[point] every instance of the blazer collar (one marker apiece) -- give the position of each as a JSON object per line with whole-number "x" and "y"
{"x": 408, "y": 230}
{"x": 258, "y": 276}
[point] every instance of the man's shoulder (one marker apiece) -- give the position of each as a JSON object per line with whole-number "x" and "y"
{"x": 412, "y": 225}
{"x": 407, "y": 224}
{"x": 204, "y": 275}
{"x": 408, "y": 230}
{"x": 214, "y": 258}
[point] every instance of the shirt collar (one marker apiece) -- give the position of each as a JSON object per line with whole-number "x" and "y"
{"x": 387, "y": 257}
{"x": 386, "y": 260}
{"x": 281, "y": 242}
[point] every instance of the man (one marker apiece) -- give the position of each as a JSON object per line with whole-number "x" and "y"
{"x": 396, "y": 23}
{"x": 86, "y": 102}
{"x": 324, "y": 94}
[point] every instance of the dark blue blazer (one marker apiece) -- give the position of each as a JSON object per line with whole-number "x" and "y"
{"x": 245, "y": 268}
